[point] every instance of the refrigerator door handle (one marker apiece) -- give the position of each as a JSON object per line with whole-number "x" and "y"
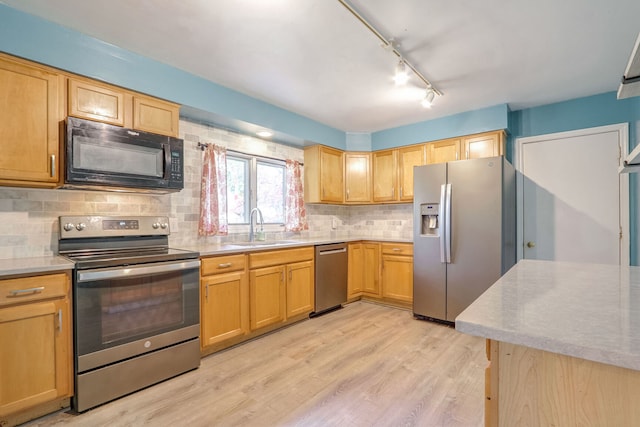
{"x": 441, "y": 214}
{"x": 448, "y": 224}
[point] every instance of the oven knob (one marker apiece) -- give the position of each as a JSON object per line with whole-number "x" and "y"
{"x": 164, "y": 225}
{"x": 81, "y": 226}
{"x": 68, "y": 227}
{"x": 155, "y": 225}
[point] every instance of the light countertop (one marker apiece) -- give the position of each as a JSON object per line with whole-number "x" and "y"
{"x": 582, "y": 310}
{"x": 37, "y": 265}
{"x": 209, "y": 249}
{"x": 34, "y": 265}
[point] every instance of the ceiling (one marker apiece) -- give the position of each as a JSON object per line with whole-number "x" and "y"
{"x": 314, "y": 58}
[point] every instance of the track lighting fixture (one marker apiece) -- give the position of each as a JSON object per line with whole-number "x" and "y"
{"x": 428, "y": 98}
{"x": 402, "y": 69}
{"x": 402, "y": 76}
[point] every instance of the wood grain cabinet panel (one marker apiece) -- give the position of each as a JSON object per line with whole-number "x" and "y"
{"x": 371, "y": 269}
{"x": 300, "y": 290}
{"x": 357, "y": 177}
{"x": 267, "y": 296}
{"x": 408, "y": 158}
{"x": 444, "y": 151}
{"x": 323, "y": 175}
{"x": 385, "y": 175}
{"x": 484, "y": 145}
{"x": 31, "y": 112}
{"x": 225, "y": 304}
{"x": 92, "y": 101}
{"x": 35, "y": 337}
{"x": 355, "y": 273}
{"x": 155, "y": 115}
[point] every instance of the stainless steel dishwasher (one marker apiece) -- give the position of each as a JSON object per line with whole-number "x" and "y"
{"x": 330, "y": 278}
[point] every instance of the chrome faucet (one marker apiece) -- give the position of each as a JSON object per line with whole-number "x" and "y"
{"x": 251, "y": 232}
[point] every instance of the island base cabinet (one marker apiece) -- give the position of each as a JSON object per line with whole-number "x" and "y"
{"x": 537, "y": 388}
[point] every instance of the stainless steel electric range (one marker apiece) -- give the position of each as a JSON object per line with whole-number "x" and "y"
{"x": 135, "y": 305}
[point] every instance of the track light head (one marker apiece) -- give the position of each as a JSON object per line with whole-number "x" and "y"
{"x": 429, "y": 95}
{"x": 402, "y": 76}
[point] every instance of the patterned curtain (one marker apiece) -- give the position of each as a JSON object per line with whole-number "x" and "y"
{"x": 294, "y": 211}
{"x": 213, "y": 193}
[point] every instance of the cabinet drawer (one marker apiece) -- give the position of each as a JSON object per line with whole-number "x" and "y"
{"x": 222, "y": 264}
{"x": 27, "y": 289}
{"x": 397, "y": 248}
{"x": 286, "y": 256}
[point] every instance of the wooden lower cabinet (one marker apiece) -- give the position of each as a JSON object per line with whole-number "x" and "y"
{"x": 371, "y": 269}
{"x": 224, "y": 299}
{"x": 267, "y": 290}
{"x": 281, "y": 286}
{"x": 397, "y": 271}
{"x": 36, "y": 357}
{"x": 355, "y": 273}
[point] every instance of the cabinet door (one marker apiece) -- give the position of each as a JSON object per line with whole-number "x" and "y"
{"x": 225, "y": 303}
{"x": 371, "y": 269}
{"x": 31, "y": 109}
{"x": 96, "y": 102}
{"x": 385, "y": 175}
{"x": 486, "y": 145}
{"x": 300, "y": 290}
{"x": 444, "y": 151}
{"x": 409, "y": 157}
{"x": 35, "y": 360}
{"x": 355, "y": 270}
{"x": 267, "y": 296}
{"x": 155, "y": 115}
{"x": 397, "y": 277}
{"x": 331, "y": 181}
{"x": 357, "y": 176}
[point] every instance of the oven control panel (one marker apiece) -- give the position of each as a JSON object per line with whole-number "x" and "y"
{"x": 78, "y": 226}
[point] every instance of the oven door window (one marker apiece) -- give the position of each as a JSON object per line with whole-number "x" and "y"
{"x": 116, "y": 310}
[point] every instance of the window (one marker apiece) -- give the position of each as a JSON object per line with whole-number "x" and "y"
{"x": 255, "y": 182}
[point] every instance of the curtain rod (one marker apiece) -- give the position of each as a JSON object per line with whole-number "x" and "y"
{"x": 203, "y": 145}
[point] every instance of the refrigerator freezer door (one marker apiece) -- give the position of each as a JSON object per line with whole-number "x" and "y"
{"x": 429, "y": 273}
{"x": 476, "y": 231}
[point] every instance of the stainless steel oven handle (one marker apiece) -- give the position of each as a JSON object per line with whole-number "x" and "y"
{"x": 134, "y": 271}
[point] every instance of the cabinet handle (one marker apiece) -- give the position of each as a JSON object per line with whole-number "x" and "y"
{"x": 22, "y": 292}
{"x": 206, "y": 293}
{"x": 467, "y": 154}
{"x": 396, "y": 249}
{"x": 456, "y": 155}
{"x": 53, "y": 165}
{"x": 224, "y": 265}
{"x": 282, "y": 276}
{"x": 401, "y": 192}
{"x": 290, "y": 275}
{"x": 347, "y": 194}
{"x": 60, "y": 320}
{"x": 393, "y": 192}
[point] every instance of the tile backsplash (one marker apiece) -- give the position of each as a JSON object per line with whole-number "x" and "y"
{"x": 29, "y": 217}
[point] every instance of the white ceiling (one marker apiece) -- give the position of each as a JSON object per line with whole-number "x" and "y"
{"x": 314, "y": 58}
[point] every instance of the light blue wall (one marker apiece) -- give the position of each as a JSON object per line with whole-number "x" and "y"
{"x": 358, "y": 141}
{"x": 33, "y": 38}
{"x": 582, "y": 113}
{"x": 484, "y": 120}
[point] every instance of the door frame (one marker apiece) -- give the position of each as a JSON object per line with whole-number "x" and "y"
{"x": 623, "y": 142}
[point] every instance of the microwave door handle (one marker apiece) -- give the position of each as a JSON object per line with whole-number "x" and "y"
{"x": 167, "y": 160}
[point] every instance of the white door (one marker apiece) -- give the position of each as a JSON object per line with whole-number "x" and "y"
{"x": 573, "y": 204}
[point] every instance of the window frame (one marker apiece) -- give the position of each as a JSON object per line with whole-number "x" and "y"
{"x": 252, "y": 182}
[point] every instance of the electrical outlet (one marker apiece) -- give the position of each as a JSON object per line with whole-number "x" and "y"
{"x": 334, "y": 223}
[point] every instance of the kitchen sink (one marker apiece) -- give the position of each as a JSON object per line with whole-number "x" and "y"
{"x": 264, "y": 243}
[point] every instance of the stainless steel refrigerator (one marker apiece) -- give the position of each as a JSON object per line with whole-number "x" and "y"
{"x": 464, "y": 233}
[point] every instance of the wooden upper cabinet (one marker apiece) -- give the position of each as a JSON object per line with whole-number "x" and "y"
{"x": 113, "y": 105}
{"x": 485, "y": 145}
{"x": 408, "y": 157}
{"x": 155, "y": 115}
{"x": 31, "y": 111}
{"x": 444, "y": 151}
{"x": 385, "y": 175}
{"x": 93, "y": 101}
{"x": 323, "y": 175}
{"x": 357, "y": 177}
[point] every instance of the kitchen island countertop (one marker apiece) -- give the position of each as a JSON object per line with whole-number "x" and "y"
{"x": 585, "y": 311}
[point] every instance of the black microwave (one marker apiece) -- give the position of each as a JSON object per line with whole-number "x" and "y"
{"x": 106, "y": 157}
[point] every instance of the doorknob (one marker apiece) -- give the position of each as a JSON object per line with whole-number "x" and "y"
{"x": 531, "y": 245}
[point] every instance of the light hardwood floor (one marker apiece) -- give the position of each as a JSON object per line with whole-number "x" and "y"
{"x": 364, "y": 365}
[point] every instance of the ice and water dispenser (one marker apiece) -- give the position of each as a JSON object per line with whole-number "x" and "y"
{"x": 430, "y": 224}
